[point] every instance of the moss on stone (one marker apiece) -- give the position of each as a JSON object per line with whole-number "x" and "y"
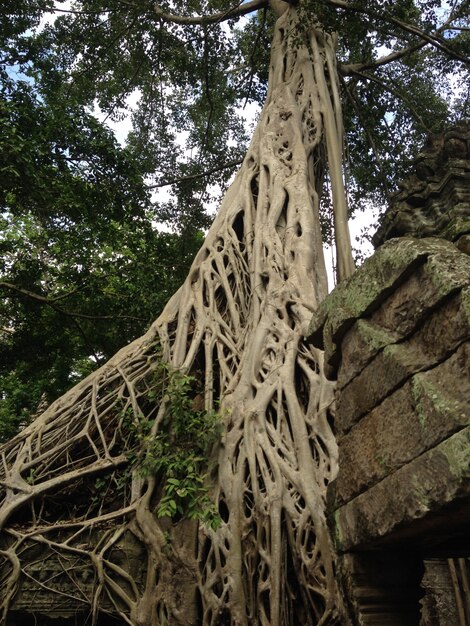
{"x": 374, "y": 336}
{"x": 446, "y": 407}
{"x": 456, "y": 228}
{"x": 465, "y": 300}
{"x": 448, "y": 272}
{"x": 457, "y": 452}
{"x": 337, "y": 529}
{"x": 416, "y": 391}
{"x": 372, "y": 283}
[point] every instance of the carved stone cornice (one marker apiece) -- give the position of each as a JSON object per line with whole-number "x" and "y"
{"x": 435, "y": 200}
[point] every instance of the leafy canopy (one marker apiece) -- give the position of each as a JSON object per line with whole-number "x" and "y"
{"x": 192, "y": 78}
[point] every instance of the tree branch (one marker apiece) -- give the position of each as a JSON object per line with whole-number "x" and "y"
{"x": 370, "y": 138}
{"x": 348, "y": 70}
{"x": 181, "y": 179}
{"x": 26, "y": 292}
{"x": 427, "y": 38}
{"x": 252, "y": 57}
{"x": 395, "y": 92}
{"x": 237, "y": 11}
{"x": 52, "y": 303}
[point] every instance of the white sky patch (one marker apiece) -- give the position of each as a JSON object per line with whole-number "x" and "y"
{"x": 363, "y": 223}
{"x": 49, "y": 17}
{"x": 123, "y": 126}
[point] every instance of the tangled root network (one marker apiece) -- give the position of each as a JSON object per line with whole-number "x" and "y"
{"x": 79, "y": 526}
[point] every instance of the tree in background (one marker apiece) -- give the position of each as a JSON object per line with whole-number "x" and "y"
{"x": 134, "y": 450}
{"x": 83, "y": 268}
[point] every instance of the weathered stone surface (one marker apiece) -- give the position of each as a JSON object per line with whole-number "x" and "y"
{"x": 379, "y": 280}
{"x": 439, "y": 604}
{"x": 360, "y": 345}
{"x": 458, "y": 227}
{"x": 401, "y": 313}
{"x": 438, "y": 337}
{"x": 371, "y": 284}
{"x": 435, "y": 200}
{"x": 428, "y": 408}
{"x": 396, "y": 338}
{"x": 441, "y": 275}
{"x": 426, "y": 484}
{"x": 463, "y": 243}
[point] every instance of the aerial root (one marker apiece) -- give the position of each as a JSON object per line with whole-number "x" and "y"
{"x": 70, "y": 497}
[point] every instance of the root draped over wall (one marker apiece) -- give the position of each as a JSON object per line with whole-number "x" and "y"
{"x": 238, "y": 325}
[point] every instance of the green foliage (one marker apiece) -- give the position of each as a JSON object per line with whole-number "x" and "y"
{"x": 104, "y": 288}
{"x": 58, "y": 162}
{"x": 83, "y": 270}
{"x": 189, "y": 80}
{"x": 178, "y": 452}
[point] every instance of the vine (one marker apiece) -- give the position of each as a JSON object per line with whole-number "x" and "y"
{"x": 179, "y": 450}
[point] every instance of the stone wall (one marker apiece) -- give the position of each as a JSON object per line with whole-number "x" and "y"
{"x": 396, "y": 337}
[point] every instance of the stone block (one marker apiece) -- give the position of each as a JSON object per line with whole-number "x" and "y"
{"x": 441, "y": 276}
{"x": 375, "y": 281}
{"x": 431, "y": 406}
{"x": 415, "y": 491}
{"x": 435, "y": 340}
{"x": 372, "y": 283}
{"x": 439, "y": 607}
{"x": 359, "y": 346}
{"x": 402, "y": 312}
{"x": 460, "y": 225}
{"x": 463, "y": 243}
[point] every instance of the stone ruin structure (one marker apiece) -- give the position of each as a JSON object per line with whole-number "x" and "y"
{"x": 396, "y": 339}
{"x": 48, "y": 596}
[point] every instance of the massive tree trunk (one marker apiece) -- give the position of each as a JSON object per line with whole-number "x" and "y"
{"x": 238, "y": 324}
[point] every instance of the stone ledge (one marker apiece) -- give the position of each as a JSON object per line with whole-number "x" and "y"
{"x": 401, "y": 313}
{"x": 375, "y": 281}
{"x": 427, "y": 484}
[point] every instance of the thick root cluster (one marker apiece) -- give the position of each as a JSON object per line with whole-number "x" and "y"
{"x": 80, "y": 525}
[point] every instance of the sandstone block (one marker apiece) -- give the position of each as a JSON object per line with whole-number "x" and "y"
{"x": 431, "y": 406}
{"x": 437, "y": 338}
{"x": 375, "y": 281}
{"x": 402, "y": 312}
{"x": 359, "y": 346}
{"x": 463, "y": 243}
{"x": 414, "y": 492}
{"x": 372, "y": 282}
{"x": 439, "y": 604}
